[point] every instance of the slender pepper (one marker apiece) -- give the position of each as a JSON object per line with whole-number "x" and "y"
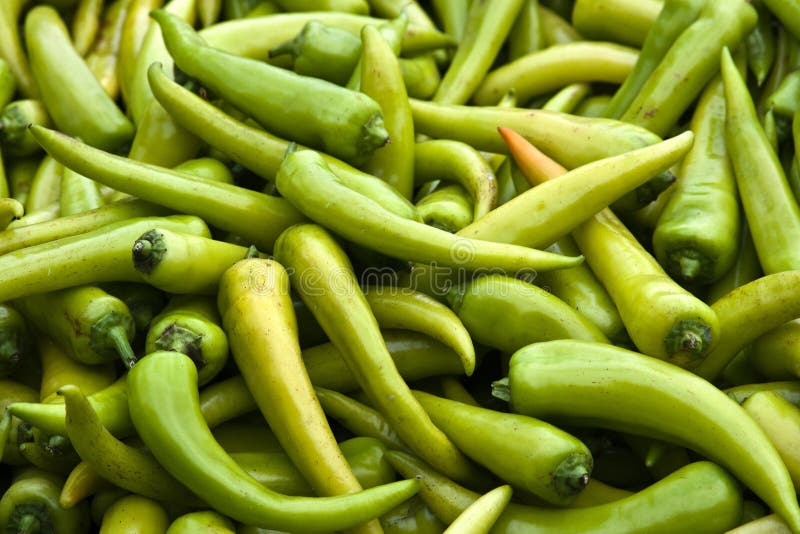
{"x": 528, "y": 453}
{"x": 81, "y": 482}
{"x": 85, "y": 24}
{"x": 745, "y": 268}
{"x": 78, "y": 193}
{"x": 191, "y": 325}
{"x": 208, "y": 11}
{"x": 581, "y": 381}
{"x": 134, "y": 514}
{"x": 75, "y": 100}
{"x": 479, "y": 516}
{"x": 37, "y": 234}
{"x": 165, "y": 408}
{"x": 254, "y": 215}
{"x": 788, "y": 13}
{"x": 356, "y": 218}
{"x": 672, "y": 20}
{"x": 8, "y": 85}
{"x": 256, "y": 149}
{"x": 103, "y": 56}
{"x": 12, "y": 49}
{"x": 569, "y": 139}
{"x": 692, "y": 241}
{"x": 123, "y": 465}
{"x": 418, "y": 312}
{"x": 486, "y": 29}
{"x": 31, "y": 505}
{"x": 91, "y": 325}
{"x": 780, "y": 420}
{"x": 309, "y": 249}
{"x": 775, "y": 218}
{"x": 535, "y": 218}
{"x": 58, "y": 369}
{"x": 455, "y": 161}
{"x": 161, "y": 257}
{"x": 678, "y": 325}
{"x": 521, "y": 314}
{"x": 554, "y": 67}
{"x": 760, "y": 45}
{"x": 20, "y": 173}
{"x": 556, "y": 29}
{"x": 453, "y": 15}
{"x": 207, "y": 521}
{"x": 255, "y": 304}
{"x": 382, "y": 79}
{"x": 352, "y": 129}
{"x": 620, "y": 21}
{"x": 689, "y": 64}
{"x": 160, "y": 141}
{"x": 45, "y": 187}
{"x": 133, "y": 31}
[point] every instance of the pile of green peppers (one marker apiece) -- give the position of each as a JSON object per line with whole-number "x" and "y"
{"x": 367, "y": 266}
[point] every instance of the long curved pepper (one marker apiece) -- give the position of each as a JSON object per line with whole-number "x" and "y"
{"x": 165, "y": 409}
{"x": 308, "y": 182}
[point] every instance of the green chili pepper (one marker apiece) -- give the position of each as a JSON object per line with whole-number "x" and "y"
{"x": 689, "y": 64}
{"x": 75, "y": 100}
{"x": 110, "y": 404}
{"x": 691, "y": 241}
{"x": 13, "y": 51}
{"x": 449, "y": 208}
{"x": 484, "y": 33}
{"x": 783, "y": 99}
{"x": 103, "y": 56}
{"x": 578, "y": 381}
{"x": 165, "y": 409}
{"x": 356, "y": 218}
{"x": 534, "y": 218}
{"x": 31, "y": 505}
{"x": 356, "y": 119}
{"x": 593, "y": 106}
{"x": 784, "y": 63}
{"x": 16, "y": 341}
{"x": 122, "y": 465}
{"x": 254, "y": 303}
{"x": 17, "y": 115}
{"x": 90, "y": 324}
{"x": 382, "y": 79}
{"x": 455, "y": 161}
{"x": 452, "y": 15}
{"x": 621, "y": 21}
{"x": 596, "y": 493}
{"x": 37, "y": 234}
{"x": 208, "y": 11}
{"x": 136, "y": 514}
{"x": 358, "y": 418}
{"x": 12, "y": 391}
{"x": 551, "y": 464}
{"x": 554, "y": 67}
{"x": 53, "y": 454}
{"x": 567, "y": 98}
{"x": 309, "y": 248}
{"x": 159, "y": 141}
{"x": 555, "y": 28}
{"x": 103, "y": 500}
{"x": 256, "y": 149}
{"x": 420, "y": 75}
{"x": 83, "y": 481}
{"x": 569, "y": 139}
{"x": 525, "y": 35}
{"x": 134, "y": 29}
{"x": 775, "y": 219}
{"x": 20, "y": 173}
{"x": 479, "y": 516}
{"x": 780, "y": 420}
{"x": 191, "y": 325}
{"x": 59, "y": 368}
{"x": 254, "y": 215}
{"x": 8, "y": 84}
{"x": 347, "y": 6}
{"x": 760, "y": 45}
{"x": 507, "y": 313}
{"x": 207, "y": 521}
{"x": 161, "y": 257}
{"x": 672, "y": 20}
{"x": 85, "y": 24}
{"x": 745, "y": 268}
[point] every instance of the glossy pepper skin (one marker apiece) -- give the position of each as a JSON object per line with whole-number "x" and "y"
{"x": 600, "y": 385}
{"x": 258, "y": 317}
{"x": 343, "y": 123}
{"x": 164, "y": 405}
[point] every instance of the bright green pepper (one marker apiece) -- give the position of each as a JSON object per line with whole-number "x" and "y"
{"x": 45, "y": 187}
{"x": 8, "y": 85}
{"x": 79, "y": 194}
{"x": 134, "y": 514}
{"x": 358, "y": 418}
{"x": 774, "y": 354}
{"x": 165, "y": 409}
{"x": 75, "y": 100}
{"x": 788, "y": 13}
{"x": 696, "y": 236}
{"x": 412, "y": 517}
{"x": 134, "y": 28}
{"x": 12, "y": 48}
{"x": 760, "y": 45}
{"x": 780, "y": 420}
{"x": 16, "y": 342}
{"x": 481, "y": 515}
{"x": 205, "y": 521}
{"x": 596, "y": 385}
{"x": 351, "y": 129}
{"x": 524, "y": 37}
{"x": 623, "y": 21}
{"x": 449, "y": 208}
{"x": 103, "y": 56}
{"x": 555, "y": 28}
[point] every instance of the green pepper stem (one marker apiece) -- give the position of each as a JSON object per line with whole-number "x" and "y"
{"x": 148, "y": 251}
{"x": 688, "y": 340}
{"x": 500, "y": 389}
{"x": 289, "y": 47}
{"x": 689, "y": 267}
{"x": 56, "y": 445}
{"x": 119, "y": 338}
{"x": 28, "y": 524}
{"x": 572, "y": 474}
{"x": 179, "y": 339}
